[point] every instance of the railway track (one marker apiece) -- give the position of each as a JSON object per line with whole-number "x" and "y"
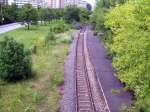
{"x": 89, "y": 92}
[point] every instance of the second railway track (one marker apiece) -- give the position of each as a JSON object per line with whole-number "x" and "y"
{"x": 89, "y": 93}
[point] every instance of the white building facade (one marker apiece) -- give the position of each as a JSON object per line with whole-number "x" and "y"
{"x": 34, "y": 3}
{"x": 53, "y": 3}
{"x": 3, "y": 1}
{"x": 48, "y": 3}
{"x": 79, "y": 3}
{"x": 82, "y": 3}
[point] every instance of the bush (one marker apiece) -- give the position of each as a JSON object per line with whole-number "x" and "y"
{"x": 65, "y": 39}
{"x": 130, "y": 26}
{"x": 58, "y": 26}
{"x": 14, "y": 62}
{"x": 76, "y": 25}
{"x": 56, "y": 79}
{"x": 50, "y": 38}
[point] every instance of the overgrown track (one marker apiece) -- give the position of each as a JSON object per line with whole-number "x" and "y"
{"x": 90, "y": 96}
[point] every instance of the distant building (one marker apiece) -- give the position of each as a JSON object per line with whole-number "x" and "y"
{"x": 70, "y": 2}
{"x": 46, "y": 3}
{"x": 53, "y": 3}
{"x": 42, "y": 3}
{"x": 79, "y": 3}
{"x": 56, "y": 3}
{"x": 34, "y": 3}
{"x": 61, "y": 3}
{"x": 82, "y": 3}
{"x": 20, "y": 3}
{"x": 3, "y": 1}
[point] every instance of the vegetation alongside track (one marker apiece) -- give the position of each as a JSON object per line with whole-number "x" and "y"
{"x": 128, "y": 39}
{"x": 46, "y": 39}
{"x": 42, "y": 92}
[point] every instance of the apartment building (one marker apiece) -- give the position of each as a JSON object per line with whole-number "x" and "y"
{"x": 61, "y": 3}
{"x": 46, "y": 3}
{"x": 70, "y": 2}
{"x": 79, "y": 3}
{"x": 34, "y": 3}
{"x": 56, "y": 3}
{"x": 3, "y": 1}
{"x": 22, "y": 2}
{"x": 42, "y": 3}
{"x": 82, "y": 3}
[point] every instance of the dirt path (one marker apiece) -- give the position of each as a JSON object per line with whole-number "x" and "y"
{"x": 104, "y": 72}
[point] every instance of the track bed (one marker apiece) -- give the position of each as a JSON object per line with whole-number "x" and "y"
{"x": 90, "y": 96}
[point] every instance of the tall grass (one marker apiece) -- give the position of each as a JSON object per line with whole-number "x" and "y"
{"x": 42, "y": 92}
{"x": 58, "y": 26}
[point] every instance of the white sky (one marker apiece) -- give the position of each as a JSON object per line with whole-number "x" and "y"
{"x": 10, "y": 1}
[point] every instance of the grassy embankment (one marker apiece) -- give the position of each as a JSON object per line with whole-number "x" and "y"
{"x": 41, "y": 93}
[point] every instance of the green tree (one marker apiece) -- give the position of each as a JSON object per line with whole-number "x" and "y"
{"x": 29, "y": 14}
{"x": 98, "y": 15}
{"x": 84, "y": 15}
{"x": 130, "y": 27}
{"x": 9, "y": 13}
{"x": 128, "y": 23}
{"x": 44, "y": 14}
{"x": 58, "y": 13}
{"x": 72, "y": 13}
{"x": 13, "y": 12}
{"x": 101, "y": 9}
{"x": 14, "y": 62}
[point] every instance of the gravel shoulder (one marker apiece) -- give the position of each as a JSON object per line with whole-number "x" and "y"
{"x": 112, "y": 87}
{"x": 68, "y": 101}
{"x": 105, "y": 73}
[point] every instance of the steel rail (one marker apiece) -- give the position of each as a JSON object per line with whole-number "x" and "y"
{"x": 89, "y": 93}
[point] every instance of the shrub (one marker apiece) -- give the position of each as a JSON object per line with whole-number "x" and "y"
{"x": 65, "y": 39}
{"x": 56, "y": 79}
{"x": 76, "y": 25}
{"x": 50, "y": 38}
{"x": 130, "y": 26}
{"x": 14, "y": 62}
{"x": 33, "y": 50}
{"x": 58, "y": 26}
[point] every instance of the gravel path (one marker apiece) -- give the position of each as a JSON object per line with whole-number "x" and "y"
{"x": 106, "y": 76}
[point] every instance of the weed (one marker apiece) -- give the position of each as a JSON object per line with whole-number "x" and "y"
{"x": 114, "y": 91}
{"x": 50, "y": 38}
